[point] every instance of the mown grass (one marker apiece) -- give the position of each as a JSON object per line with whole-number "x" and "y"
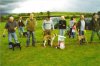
{"x": 73, "y": 55}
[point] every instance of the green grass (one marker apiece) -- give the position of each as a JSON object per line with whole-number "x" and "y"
{"x": 72, "y": 55}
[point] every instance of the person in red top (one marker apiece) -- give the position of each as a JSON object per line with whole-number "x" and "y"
{"x": 73, "y": 30}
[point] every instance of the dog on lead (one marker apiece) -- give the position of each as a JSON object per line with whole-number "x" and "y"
{"x": 13, "y": 45}
{"x": 82, "y": 39}
{"x": 49, "y": 38}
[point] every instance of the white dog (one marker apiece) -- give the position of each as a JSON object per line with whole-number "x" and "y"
{"x": 61, "y": 41}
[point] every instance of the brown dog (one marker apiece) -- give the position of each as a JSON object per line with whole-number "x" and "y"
{"x": 50, "y": 38}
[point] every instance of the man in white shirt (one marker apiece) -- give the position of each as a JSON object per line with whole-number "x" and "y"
{"x": 47, "y": 26}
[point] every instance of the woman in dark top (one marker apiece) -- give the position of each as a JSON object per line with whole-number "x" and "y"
{"x": 21, "y": 26}
{"x": 62, "y": 25}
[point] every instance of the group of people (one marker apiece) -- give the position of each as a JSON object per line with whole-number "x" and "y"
{"x": 12, "y": 25}
{"x": 48, "y": 26}
{"x": 80, "y": 27}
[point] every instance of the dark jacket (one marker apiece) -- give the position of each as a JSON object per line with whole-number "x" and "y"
{"x": 10, "y": 26}
{"x": 99, "y": 23}
{"x": 31, "y": 24}
{"x": 62, "y": 24}
{"x": 21, "y": 23}
{"x": 95, "y": 25}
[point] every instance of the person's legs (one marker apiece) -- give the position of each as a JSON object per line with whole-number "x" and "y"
{"x": 70, "y": 32}
{"x": 73, "y": 34}
{"x": 62, "y": 32}
{"x": 98, "y": 34}
{"x": 19, "y": 31}
{"x": 22, "y": 29}
{"x": 83, "y": 37}
{"x": 33, "y": 38}
{"x": 80, "y": 36}
{"x": 49, "y": 38}
{"x": 15, "y": 37}
{"x": 28, "y": 39}
{"x": 92, "y": 36}
{"x": 9, "y": 37}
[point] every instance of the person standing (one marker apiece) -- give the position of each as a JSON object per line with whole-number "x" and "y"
{"x": 95, "y": 24}
{"x": 99, "y": 20}
{"x": 62, "y": 25}
{"x": 47, "y": 27}
{"x": 81, "y": 28}
{"x": 30, "y": 26}
{"x": 21, "y": 26}
{"x": 73, "y": 31}
{"x": 11, "y": 26}
{"x": 72, "y": 21}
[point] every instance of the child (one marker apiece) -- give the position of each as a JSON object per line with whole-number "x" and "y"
{"x": 72, "y": 21}
{"x": 73, "y": 30}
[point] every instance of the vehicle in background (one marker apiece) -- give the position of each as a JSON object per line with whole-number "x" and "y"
{"x": 88, "y": 23}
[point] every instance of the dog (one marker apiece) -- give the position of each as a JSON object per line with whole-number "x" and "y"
{"x": 81, "y": 39}
{"x": 25, "y": 34}
{"x": 49, "y": 38}
{"x": 13, "y": 45}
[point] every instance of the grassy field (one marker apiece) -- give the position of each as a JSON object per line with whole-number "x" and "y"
{"x": 72, "y": 55}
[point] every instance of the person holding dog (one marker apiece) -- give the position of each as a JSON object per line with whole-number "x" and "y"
{"x": 21, "y": 26}
{"x": 30, "y": 26}
{"x": 95, "y": 24}
{"x": 11, "y": 26}
{"x": 62, "y": 25}
{"x": 81, "y": 29}
{"x": 72, "y": 22}
{"x": 47, "y": 26}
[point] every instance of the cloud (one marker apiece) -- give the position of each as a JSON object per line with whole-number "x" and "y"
{"x": 6, "y": 6}
{"x": 19, "y": 6}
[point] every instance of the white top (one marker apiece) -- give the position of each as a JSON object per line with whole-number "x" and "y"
{"x": 73, "y": 30}
{"x": 82, "y": 27}
{"x": 47, "y": 25}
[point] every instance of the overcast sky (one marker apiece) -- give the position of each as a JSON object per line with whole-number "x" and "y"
{"x": 26, "y": 6}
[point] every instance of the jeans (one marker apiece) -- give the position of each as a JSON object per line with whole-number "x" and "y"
{"x": 62, "y": 32}
{"x": 21, "y": 30}
{"x": 29, "y": 33}
{"x": 73, "y": 34}
{"x": 92, "y": 35}
{"x": 81, "y": 32}
{"x": 12, "y": 35}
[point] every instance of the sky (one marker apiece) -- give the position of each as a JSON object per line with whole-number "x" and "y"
{"x": 28, "y": 6}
